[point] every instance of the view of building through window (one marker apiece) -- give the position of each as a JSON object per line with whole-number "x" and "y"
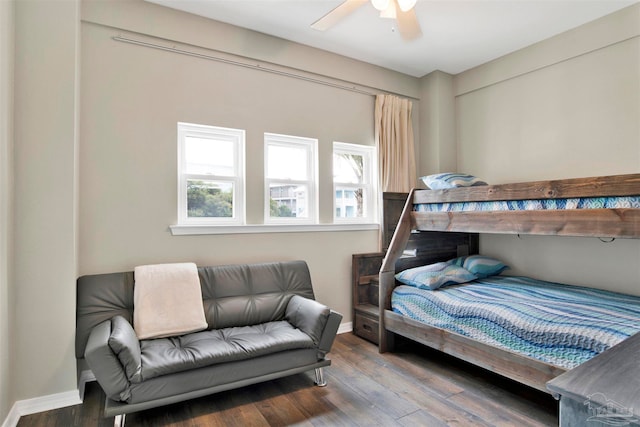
{"x": 287, "y": 200}
{"x": 290, "y": 177}
{"x": 348, "y": 203}
{"x": 211, "y": 170}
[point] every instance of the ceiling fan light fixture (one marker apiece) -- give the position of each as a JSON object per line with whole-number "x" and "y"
{"x": 381, "y": 5}
{"x": 406, "y": 5}
{"x": 390, "y": 11}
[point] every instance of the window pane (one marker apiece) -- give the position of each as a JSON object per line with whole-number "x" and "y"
{"x": 209, "y": 199}
{"x": 287, "y": 162}
{"x": 286, "y": 201}
{"x": 207, "y": 156}
{"x": 354, "y": 182}
{"x": 348, "y": 168}
{"x": 349, "y": 203}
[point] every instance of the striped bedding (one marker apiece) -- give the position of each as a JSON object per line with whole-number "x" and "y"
{"x": 535, "y": 204}
{"x": 559, "y": 324}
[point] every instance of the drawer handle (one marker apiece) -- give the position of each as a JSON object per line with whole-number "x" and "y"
{"x": 367, "y": 328}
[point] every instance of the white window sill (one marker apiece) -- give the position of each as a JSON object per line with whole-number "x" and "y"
{"x": 185, "y": 230}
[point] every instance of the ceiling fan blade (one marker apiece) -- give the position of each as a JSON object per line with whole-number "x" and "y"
{"x": 408, "y": 24}
{"x": 332, "y": 18}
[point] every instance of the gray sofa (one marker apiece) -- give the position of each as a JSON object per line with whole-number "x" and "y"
{"x": 263, "y": 323}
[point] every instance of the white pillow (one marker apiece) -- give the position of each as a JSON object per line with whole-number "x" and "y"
{"x": 441, "y": 181}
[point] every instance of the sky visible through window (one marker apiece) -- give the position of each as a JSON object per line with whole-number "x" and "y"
{"x": 209, "y": 157}
{"x": 215, "y": 157}
{"x": 287, "y": 163}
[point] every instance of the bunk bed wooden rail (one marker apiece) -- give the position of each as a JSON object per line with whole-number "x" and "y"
{"x": 623, "y": 223}
{"x": 613, "y": 223}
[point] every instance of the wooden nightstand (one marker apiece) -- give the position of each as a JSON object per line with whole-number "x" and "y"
{"x": 365, "y": 269}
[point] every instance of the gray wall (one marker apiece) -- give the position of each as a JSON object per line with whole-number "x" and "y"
{"x": 6, "y": 191}
{"x": 566, "y": 107}
{"x": 45, "y": 167}
{"x": 437, "y": 124}
{"x": 132, "y": 98}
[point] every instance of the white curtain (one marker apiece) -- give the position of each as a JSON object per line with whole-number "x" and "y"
{"x": 394, "y": 139}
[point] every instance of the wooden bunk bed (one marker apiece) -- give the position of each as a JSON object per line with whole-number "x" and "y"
{"x": 595, "y": 222}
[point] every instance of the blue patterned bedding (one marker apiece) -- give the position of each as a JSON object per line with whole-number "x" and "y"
{"x": 536, "y": 204}
{"x": 559, "y": 324}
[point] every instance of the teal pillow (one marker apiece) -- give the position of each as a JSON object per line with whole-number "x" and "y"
{"x": 458, "y": 261}
{"x": 434, "y": 276}
{"x": 441, "y": 181}
{"x": 480, "y": 265}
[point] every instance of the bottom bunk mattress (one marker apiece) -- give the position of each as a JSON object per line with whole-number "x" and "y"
{"x": 559, "y": 324}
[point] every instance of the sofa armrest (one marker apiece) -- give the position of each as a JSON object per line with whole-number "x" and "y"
{"x": 105, "y": 365}
{"x": 125, "y": 344}
{"x": 330, "y": 331}
{"x": 307, "y": 315}
{"x": 315, "y": 320}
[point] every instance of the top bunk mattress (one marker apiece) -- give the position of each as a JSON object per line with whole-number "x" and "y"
{"x": 622, "y": 202}
{"x": 559, "y": 324}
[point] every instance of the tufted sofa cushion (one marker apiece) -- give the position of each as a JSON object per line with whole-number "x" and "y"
{"x": 241, "y": 295}
{"x": 195, "y": 350}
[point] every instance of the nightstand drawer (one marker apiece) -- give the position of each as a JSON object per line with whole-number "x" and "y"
{"x": 366, "y": 327}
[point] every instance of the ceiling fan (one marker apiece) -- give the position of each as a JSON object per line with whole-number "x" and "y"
{"x": 400, "y": 10}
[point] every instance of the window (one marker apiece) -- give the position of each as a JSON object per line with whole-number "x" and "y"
{"x": 211, "y": 175}
{"x": 212, "y": 180}
{"x": 354, "y": 183}
{"x": 290, "y": 179}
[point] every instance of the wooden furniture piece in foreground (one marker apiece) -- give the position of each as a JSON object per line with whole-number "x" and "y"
{"x": 604, "y": 389}
{"x": 614, "y": 223}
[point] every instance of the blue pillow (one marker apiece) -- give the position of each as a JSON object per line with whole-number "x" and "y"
{"x": 441, "y": 181}
{"x": 434, "y": 276}
{"x": 480, "y": 265}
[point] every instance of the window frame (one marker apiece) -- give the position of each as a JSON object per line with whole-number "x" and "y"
{"x": 237, "y": 137}
{"x": 311, "y": 181}
{"x": 368, "y": 182}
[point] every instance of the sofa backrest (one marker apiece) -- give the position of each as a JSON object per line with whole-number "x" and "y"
{"x": 233, "y": 295}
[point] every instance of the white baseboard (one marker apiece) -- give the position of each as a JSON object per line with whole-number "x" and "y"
{"x": 12, "y": 418}
{"x": 41, "y": 404}
{"x": 345, "y": 327}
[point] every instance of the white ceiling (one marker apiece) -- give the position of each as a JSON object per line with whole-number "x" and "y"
{"x": 457, "y": 34}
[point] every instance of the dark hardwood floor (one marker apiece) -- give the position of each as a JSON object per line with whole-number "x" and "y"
{"x": 414, "y": 386}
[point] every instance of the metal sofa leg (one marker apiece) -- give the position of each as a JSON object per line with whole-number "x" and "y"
{"x": 118, "y": 420}
{"x": 320, "y": 381}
